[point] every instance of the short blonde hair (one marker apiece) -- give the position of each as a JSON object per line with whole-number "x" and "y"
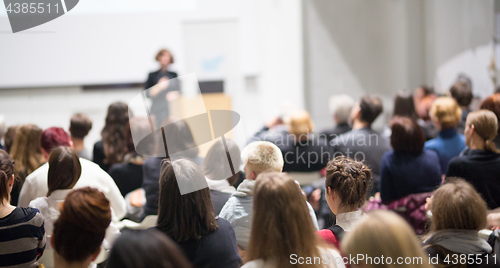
{"x": 446, "y": 111}
{"x": 262, "y": 156}
{"x": 384, "y": 233}
{"x": 300, "y": 123}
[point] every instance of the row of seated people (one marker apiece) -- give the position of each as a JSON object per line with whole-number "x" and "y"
{"x": 281, "y": 233}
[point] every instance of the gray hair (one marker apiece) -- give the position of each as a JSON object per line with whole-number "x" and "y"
{"x": 341, "y": 106}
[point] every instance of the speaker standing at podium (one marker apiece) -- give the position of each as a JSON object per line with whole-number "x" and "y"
{"x": 161, "y": 89}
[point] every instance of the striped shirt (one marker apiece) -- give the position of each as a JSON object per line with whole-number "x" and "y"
{"x": 22, "y": 238}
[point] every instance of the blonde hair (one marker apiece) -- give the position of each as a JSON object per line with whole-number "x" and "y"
{"x": 270, "y": 240}
{"x": 26, "y": 150}
{"x": 446, "y": 111}
{"x": 262, "y": 156}
{"x": 300, "y": 123}
{"x": 162, "y": 52}
{"x": 457, "y": 205}
{"x": 384, "y": 233}
{"x": 485, "y": 125}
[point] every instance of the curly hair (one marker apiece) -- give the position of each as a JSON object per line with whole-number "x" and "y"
{"x": 350, "y": 179}
{"x": 114, "y": 134}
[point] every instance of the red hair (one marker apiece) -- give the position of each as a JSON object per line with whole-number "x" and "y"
{"x": 54, "y": 137}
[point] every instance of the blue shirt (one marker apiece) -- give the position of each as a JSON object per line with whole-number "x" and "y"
{"x": 447, "y": 145}
{"x": 402, "y": 174}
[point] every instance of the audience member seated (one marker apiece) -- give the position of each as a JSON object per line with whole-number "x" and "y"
{"x": 189, "y": 219}
{"x": 383, "y": 234}
{"x": 146, "y": 249}
{"x": 302, "y": 150}
{"x": 481, "y": 165}
{"x": 64, "y": 172}
{"x": 178, "y": 130}
{"x": 404, "y": 107}
{"x": 81, "y": 227}
{"x": 423, "y": 99}
{"x": 128, "y": 175}
{"x": 408, "y": 168}
{"x": 79, "y": 127}
{"x": 458, "y": 213}
{"x": 27, "y": 154}
{"x": 461, "y": 91}
{"x": 363, "y": 143}
{"x": 258, "y": 157}
{"x": 21, "y": 229}
{"x": 274, "y": 243}
{"x": 346, "y": 186}
{"x": 218, "y": 172}
{"x": 340, "y": 109}
{"x": 3, "y": 130}
{"x": 446, "y": 114}
{"x": 113, "y": 146}
{"x": 9, "y": 136}
{"x": 492, "y": 103}
{"x": 92, "y": 175}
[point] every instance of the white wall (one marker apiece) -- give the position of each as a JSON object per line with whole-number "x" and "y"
{"x": 383, "y": 46}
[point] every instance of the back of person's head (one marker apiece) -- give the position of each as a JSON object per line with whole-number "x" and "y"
{"x": 404, "y": 105}
{"x": 340, "y": 107}
{"x": 485, "y": 125}
{"x": 406, "y": 136}
{"x": 262, "y": 156}
{"x": 300, "y": 124}
{"x": 64, "y": 169}
{"x": 9, "y": 136}
{"x": 79, "y": 125}
{"x": 457, "y": 205}
{"x": 461, "y": 91}
{"x": 384, "y": 234}
{"x": 26, "y": 150}
{"x": 54, "y": 137}
{"x": 114, "y": 133}
{"x": 350, "y": 179}
{"x": 179, "y": 138}
{"x": 279, "y": 200}
{"x": 146, "y": 249}
{"x": 6, "y": 173}
{"x": 81, "y": 226}
{"x": 446, "y": 112}
{"x": 215, "y": 167}
{"x": 184, "y": 216}
{"x": 370, "y": 107}
{"x": 492, "y": 103}
{"x": 424, "y": 106}
{"x": 139, "y": 128}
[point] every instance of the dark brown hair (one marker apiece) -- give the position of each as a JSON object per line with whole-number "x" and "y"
{"x": 64, "y": 169}
{"x": 407, "y": 136}
{"x": 350, "y": 179}
{"x": 9, "y": 136}
{"x": 6, "y": 172}
{"x": 404, "y": 105}
{"x": 114, "y": 133}
{"x": 81, "y": 227}
{"x": 461, "y": 91}
{"x": 214, "y": 166}
{"x": 457, "y": 205}
{"x": 79, "y": 126}
{"x": 26, "y": 150}
{"x": 146, "y": 249}
{"x": 492, "y": 103}
{"x": 163, "y": 51}
{"x": 184, "y": 216}
{"x": 278, "y": 200}
{"x": 370, "y": 108}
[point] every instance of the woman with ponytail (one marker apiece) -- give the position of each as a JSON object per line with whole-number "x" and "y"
{"x": 22, "y": 234}
{"x": 481, "y": 165}
{"x": 80, "y": 229}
